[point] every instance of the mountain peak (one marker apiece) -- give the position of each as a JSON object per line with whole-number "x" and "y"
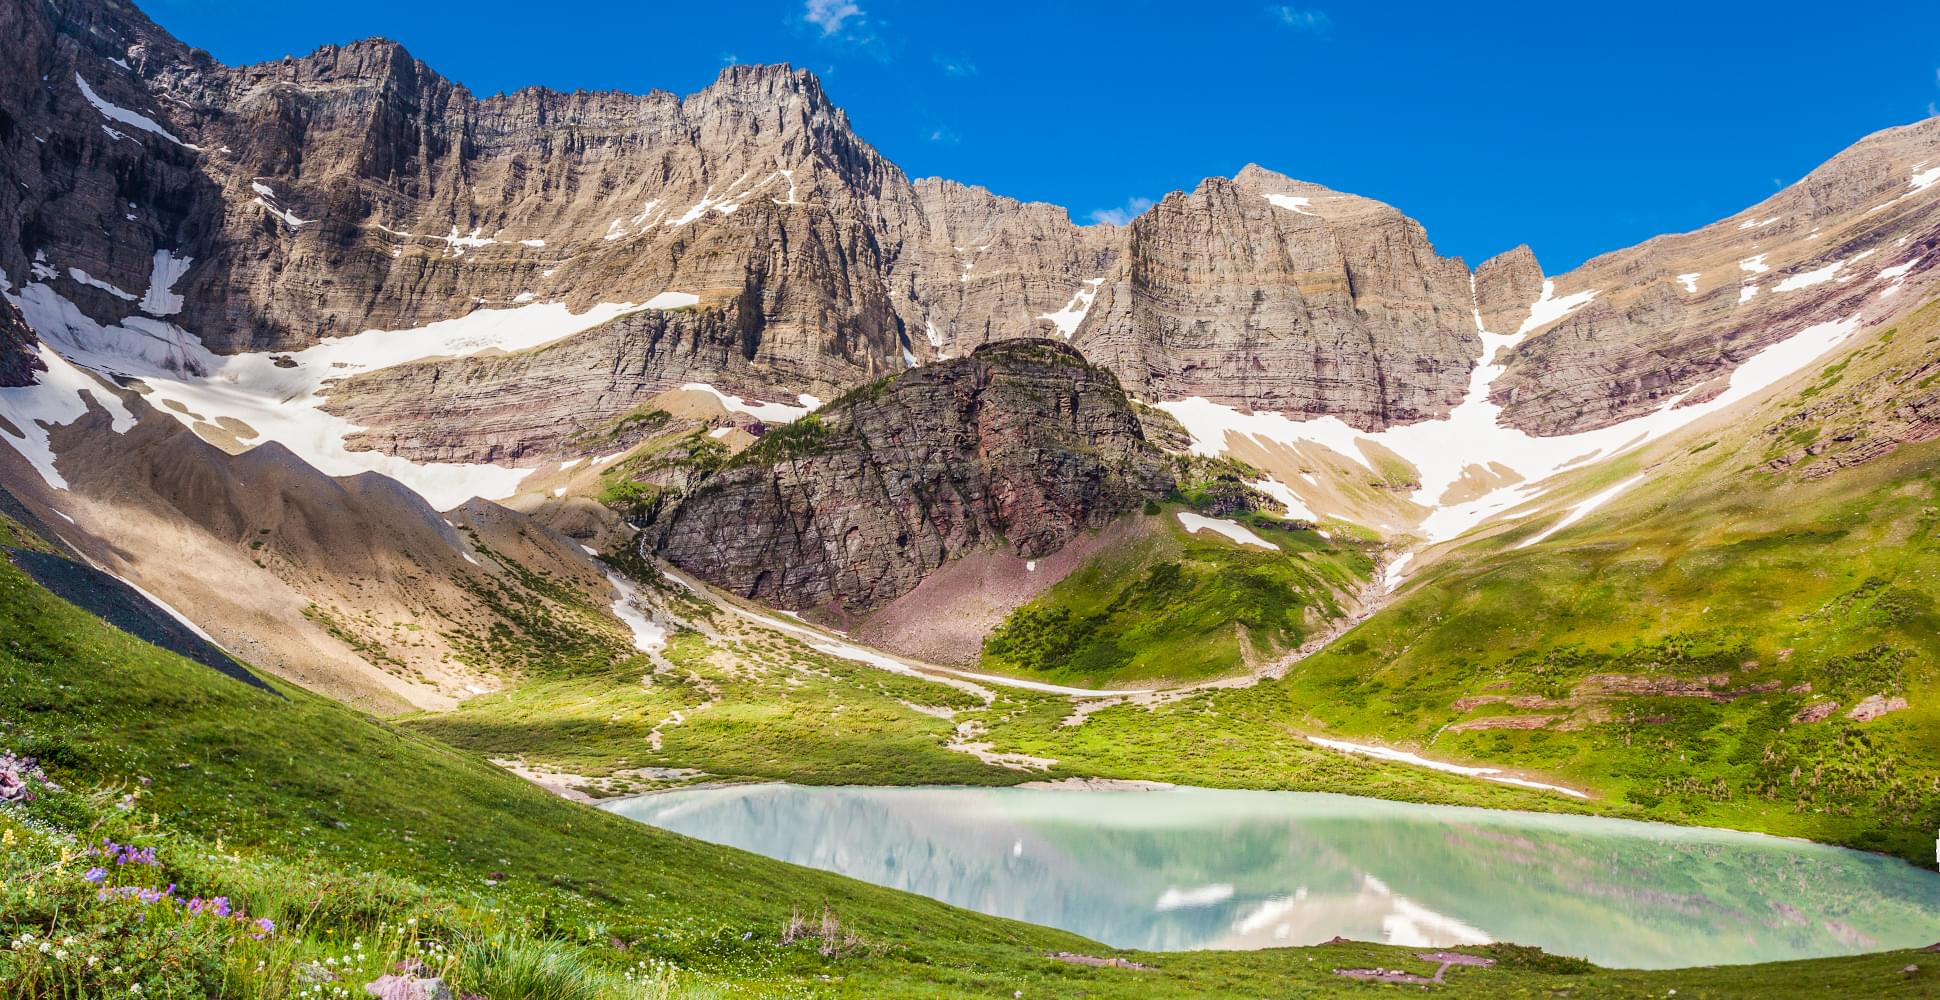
{"x": 767, "y": 80}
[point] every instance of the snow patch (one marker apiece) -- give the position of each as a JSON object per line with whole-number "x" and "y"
{"x": 1896, "y": 276}
{"x": 161, "y": 298}
{"x": 1548, "y": 309}
{"x": 1288, "y": 499}
{"x": 1689, "y": 281}
{"x": 93, "y": 282}
{"x": 1292, "y": 202}
{"x": 1195, "y": 523}
{"x": 1397, "y": 571}
{"x": 1923, "y": 179}
{"x": 115, "y": 113}
{"x": 772, "y": 413}
{"x": 673, "y": 300}
{"x": 1073, "y": 313}
{"x": 647, "y": 636}
{"x": 289, "y": 218}
{"x": 1404, "y": 757}
{"x": 1818, "y": 276}
{"x": 1754, "y": 265}
{"x": 1577, "y": 512}
{"x": 54, "y": 400}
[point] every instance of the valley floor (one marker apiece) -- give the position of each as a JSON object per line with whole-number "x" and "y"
{"x": 372, "y": 850}
{"x": 1698, "y": 652}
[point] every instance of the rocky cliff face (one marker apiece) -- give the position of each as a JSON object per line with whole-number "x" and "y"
{"x": 995, "y": 268}
{"x": 1505, "y": 287}
{"x": 1268, "y": 293}
{"x": 1021, "y": 445}
{"x": 1673, "y": 316}
{"x": 17, "y": 360}
{"x": 263, "y": 207}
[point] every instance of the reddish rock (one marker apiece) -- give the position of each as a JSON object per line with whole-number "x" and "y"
{"x": 1816, "y": 712}
{"x": 1874, "y": 706}
{"x": 1022, "y": 445}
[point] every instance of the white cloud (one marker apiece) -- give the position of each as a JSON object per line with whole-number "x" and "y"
{"x": 955, "y": 67}
{"x": 945, "y": 135}
{"x": 1132, "y": 209}
{"x": 829, "y": 14}
{"x": 1312, "y": 22}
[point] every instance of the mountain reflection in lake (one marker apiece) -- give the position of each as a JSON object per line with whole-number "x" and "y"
{"x": 1184, "y": 868}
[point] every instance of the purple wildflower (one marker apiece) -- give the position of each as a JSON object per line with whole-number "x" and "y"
{"x": 264, "y": 928}
{"x": 95, "y": 875}
{"x": 125, "y": 854}
{"x": 220, "y": 906}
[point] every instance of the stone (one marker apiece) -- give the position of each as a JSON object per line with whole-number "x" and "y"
{"x": 1818, "y": 711}
{"x": 1020, "y": 446}
{"x": 1873, "y": 706}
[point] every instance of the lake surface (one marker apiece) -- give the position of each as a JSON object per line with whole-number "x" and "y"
{"x": 1184, "y": 868}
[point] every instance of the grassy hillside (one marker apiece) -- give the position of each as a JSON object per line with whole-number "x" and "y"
{"x": 1183, "y": 606}
{"x": 364, "y": 847}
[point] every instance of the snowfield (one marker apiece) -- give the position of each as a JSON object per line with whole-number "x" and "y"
{"x": 1473, "y": 434}
{"x": 277, "y": 403}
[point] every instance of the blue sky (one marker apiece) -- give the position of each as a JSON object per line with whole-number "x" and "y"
{"x": 1575, "y": 128}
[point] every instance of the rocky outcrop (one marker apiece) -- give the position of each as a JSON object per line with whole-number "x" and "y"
{"x": 18, "y": 362}
{"x": 1844, "y": 422}
{"x": 1505, "y": 287}
{"x": 1876, "y": 705}
{"x": 1272, "y": 294}
{"x": 1675, "y": 314}
{"x": 1021, "y": 446}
